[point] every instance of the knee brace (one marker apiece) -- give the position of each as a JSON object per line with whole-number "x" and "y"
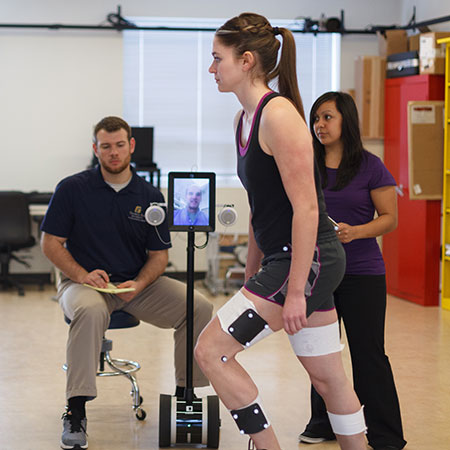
{"x": 250, "y": 419}
{"x": 317, "y": 341}
{"x": 239, "y": 318}
{"x": 348, "y": 424}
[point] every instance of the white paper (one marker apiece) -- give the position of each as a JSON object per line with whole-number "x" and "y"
{"x": 423, "y": 114}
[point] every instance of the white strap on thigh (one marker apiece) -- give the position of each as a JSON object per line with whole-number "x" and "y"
{"x": 317, "y": 341}
{"x": 234, "y": 309}
{"x": 348, "y": 424}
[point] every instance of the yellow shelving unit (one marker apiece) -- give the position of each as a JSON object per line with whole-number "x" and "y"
{"x": 445, "y": 272}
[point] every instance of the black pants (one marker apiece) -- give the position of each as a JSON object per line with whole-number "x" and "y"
{"x": 361, "y": 304}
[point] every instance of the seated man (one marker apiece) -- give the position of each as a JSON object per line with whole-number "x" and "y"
{"x": 191, "y": 214}
{"x": 95, "y": 233}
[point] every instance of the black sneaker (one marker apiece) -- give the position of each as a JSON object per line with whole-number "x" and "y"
{"x": 74, "y": 436}
{"x": 387, "y": 447}
{"x": 180, "y": 391}
{"x": 308, "y": 437}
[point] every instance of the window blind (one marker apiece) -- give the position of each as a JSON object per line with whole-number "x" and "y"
{"x": 167, "y": 86}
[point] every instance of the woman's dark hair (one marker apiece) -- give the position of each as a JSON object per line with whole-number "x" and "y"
{"x": 253, "y": 32}
{"x": 353, "y": 151}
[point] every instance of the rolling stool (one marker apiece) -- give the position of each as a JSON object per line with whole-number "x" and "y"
{"x": 124, "y": 367}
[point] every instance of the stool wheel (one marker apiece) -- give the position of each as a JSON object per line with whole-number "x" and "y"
{"x": 140, "y": 414}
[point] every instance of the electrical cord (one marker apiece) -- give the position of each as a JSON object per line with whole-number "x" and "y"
{"x": 201, "y": 247}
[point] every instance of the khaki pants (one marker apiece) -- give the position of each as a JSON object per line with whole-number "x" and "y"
{"x": 163, "y": 304}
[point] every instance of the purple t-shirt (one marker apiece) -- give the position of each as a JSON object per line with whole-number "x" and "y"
{"x": 353, "y": 205}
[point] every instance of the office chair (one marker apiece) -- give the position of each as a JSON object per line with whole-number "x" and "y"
{"x": 15, "y": 233}
{"x": 120, "y": 367}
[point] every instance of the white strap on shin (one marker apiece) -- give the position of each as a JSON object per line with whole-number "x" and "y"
{"x": 348, "y": 424}
{"x": 317, "y": 341}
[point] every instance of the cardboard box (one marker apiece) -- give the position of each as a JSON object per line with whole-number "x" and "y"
{"x": 425, "y": 149}
{"x": 370, "y": 73}
{"x": 351, "y": 92}
{"x": 432, "y": 54}
{"x": 392, "y": 41}
{"x": 433, "y": 66}
{"x": 414, "y": 43}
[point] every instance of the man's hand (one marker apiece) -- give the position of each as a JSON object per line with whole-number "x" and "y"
{"x": 294, "y": 313}
{"x": 97, "y": 278}
{"x": 128, "y": 296}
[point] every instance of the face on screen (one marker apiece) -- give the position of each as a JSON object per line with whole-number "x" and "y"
{"x": 193, "y": 197}
{"x": 191, "y": 202}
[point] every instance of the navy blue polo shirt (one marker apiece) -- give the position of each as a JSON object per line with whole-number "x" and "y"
{"x": 105, "y": 229}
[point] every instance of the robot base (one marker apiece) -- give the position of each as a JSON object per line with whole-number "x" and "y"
{"x": 196, "y": 423}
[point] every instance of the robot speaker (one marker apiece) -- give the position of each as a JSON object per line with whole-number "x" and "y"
{"x": 155, "y": 214}
{"x": 227, "y": 215}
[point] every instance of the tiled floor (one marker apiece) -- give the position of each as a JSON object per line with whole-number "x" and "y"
{"x": 32, "y": 349}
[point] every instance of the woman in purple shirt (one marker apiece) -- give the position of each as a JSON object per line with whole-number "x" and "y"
{"x": 356, "y": 184}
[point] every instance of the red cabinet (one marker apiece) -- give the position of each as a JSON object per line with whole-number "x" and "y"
{"x": 411, "y": 252}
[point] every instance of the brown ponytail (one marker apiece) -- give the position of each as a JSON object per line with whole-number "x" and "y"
{"x": 253, "y": 32}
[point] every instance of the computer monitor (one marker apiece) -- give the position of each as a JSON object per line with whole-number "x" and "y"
{"x": 143, "y": 151}
{"x": 191, "y": 201}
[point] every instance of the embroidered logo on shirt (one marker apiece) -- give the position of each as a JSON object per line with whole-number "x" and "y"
{"x": 137, "y": 214}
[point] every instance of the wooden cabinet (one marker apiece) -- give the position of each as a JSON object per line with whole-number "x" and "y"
{"x": 411, "y": 252}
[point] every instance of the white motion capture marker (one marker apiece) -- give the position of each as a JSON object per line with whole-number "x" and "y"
{"x": 348, "y": 424}
{"x": 317, "y": 341}
{"x": 238, "y": 306}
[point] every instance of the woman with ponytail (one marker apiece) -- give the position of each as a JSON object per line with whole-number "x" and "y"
{"x": 295, "y": 261}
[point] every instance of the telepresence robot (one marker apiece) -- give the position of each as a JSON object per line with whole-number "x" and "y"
{"x": 190, "y": 420}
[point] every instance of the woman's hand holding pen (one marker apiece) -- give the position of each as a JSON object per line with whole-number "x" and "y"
{"x": 346, "y": 233}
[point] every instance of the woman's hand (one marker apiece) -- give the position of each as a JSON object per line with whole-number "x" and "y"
{"x": 346, "y": 233}
{"x": 294, "y": 313}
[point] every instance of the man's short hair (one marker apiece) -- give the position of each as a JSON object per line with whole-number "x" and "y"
{"x": 194, "y": 185}
{"x": 111, "y": 124}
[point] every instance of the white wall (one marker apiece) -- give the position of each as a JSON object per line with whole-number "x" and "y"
{"x": 53, "y": 87}
{"x": 426, "y": 10}
{"x": 55, "y": 84}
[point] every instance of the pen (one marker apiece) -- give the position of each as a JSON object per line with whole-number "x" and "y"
{"x": 336, "y": 226}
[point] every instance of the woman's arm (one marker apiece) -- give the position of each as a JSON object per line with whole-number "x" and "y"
{"x": 284, "y": 134}
{"x": 385, "y": 201}
{"x": 254, "y": 255}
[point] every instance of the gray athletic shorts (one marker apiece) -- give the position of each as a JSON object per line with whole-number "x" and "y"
{"x": 325, "y": 275}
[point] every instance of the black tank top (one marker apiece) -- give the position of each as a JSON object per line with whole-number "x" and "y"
{"x": 269, "y": 204}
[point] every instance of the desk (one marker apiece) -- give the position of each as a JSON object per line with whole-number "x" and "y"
{"x": 37, "y": 211}
{"x": 41, "y": 268}
{"x": 38, "y": 204}
{"x": 148, "y": 172}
